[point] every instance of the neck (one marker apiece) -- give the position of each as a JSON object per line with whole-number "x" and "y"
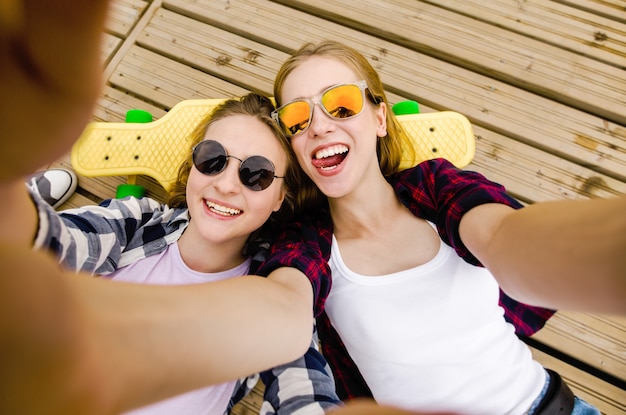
{"x": 363, "y": 211}
{"x": 202, "y": 256}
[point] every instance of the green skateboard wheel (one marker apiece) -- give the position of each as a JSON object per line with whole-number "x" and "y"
{"x": 406, "y": 107}
{"x": 124, "y": 190}
{"x": 138, "y": 116}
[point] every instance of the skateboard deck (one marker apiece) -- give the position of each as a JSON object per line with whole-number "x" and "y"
{"x": 157, "y": 148}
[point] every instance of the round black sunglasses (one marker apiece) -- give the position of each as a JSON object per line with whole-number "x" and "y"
{"x": 255, "y": 172}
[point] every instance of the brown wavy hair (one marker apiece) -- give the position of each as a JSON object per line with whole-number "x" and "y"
{"x": 254, "y": 105}
{"x": 389, "y": 149}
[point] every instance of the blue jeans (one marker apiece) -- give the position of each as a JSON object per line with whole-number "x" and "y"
{"x": 580, "y": 407}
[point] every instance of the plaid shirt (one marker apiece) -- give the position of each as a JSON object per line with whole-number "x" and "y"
{"x": 101, "y": 239}
{"x": 434, "y": 190}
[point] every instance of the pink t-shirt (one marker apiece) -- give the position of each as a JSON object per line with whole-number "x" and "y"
{"x": 168, "y": 268}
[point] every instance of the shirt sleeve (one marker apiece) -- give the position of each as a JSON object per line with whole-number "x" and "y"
{"x": 93, "y": 238}
{"x": 439, "y": 192}
{"x": 305, "y": 245}
{"x": 304, "y": 386}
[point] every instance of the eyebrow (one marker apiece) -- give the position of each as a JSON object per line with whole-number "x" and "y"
{"x": 319, "y": 92}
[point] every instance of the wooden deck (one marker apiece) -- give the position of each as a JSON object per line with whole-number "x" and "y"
{"x": 543, "y": 83}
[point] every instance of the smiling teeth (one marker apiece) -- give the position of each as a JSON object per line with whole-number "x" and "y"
{"x": 223, "y": 210}
{"x": 331, "y": 151}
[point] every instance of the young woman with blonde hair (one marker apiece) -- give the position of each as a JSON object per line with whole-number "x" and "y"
{"x": 413, "y": 318}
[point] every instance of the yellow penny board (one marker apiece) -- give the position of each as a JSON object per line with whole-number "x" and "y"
{"x": 158, "y": 148}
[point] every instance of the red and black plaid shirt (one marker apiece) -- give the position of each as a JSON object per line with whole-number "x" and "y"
{"x": 434, "y": 190}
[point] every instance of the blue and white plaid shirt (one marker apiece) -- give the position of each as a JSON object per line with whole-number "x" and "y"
{"x": 101, "y": 239}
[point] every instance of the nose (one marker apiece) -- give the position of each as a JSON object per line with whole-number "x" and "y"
{"x": 320, "y": 123}
{"x": 227, "y": 181}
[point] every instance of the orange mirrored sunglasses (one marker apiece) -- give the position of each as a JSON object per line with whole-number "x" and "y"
{"x": 339, "y": 101}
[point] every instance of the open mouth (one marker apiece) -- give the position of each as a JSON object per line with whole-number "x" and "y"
{"x": 222, "y": 210}
{"x": 329, "y": 158}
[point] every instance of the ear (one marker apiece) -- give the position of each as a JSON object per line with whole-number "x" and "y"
{"x": 280, "y": 200}
{"x": 381, "y": 120}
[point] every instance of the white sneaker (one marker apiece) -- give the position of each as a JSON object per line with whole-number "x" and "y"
{"x": 54, "y": 185}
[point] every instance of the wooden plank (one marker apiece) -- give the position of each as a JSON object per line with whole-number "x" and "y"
{"x": 114, "y": 104}
{"x": 560, "y": 25}
{"x": 527, "y": 63}
{"x": 123, "y": 15}
{"x": 158, "y": 79}
{"x": 533, "y": 175}
{"x": 574, "y": 135}
{"x": 221, "y": 53}
{"x": 599, "y": 341}
{"x": 251, "y": 404}
{"x": 110, "y": 45}
{"x": 609, "y": 399}
{"x": 75, "y": 201}
{"x": 611, "y": 9}
{"x": 131, "y": 37}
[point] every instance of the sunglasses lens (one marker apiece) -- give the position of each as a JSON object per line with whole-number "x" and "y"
{"x": 256, "y": 173}
{"x": 294, "y": 117}
{"x": 209, "y": 157}
{"x": 343, "y": 101}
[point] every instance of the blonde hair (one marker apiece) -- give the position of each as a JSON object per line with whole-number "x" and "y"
{"x": 254, "y": 105}
{"x": 389, "y": 149}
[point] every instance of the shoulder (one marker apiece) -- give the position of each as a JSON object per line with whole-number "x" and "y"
{"x": 438, "y": 173}
{"x": 438, "y": 183}
{"x": 304, "y": 244}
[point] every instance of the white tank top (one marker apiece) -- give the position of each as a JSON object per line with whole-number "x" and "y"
{"x": 168, "y": 268}
{"x": 433, "y": 338}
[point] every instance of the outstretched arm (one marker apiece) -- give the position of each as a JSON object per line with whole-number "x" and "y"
{"x": 63, "y": 342}
{"x": 564, "y": 254}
